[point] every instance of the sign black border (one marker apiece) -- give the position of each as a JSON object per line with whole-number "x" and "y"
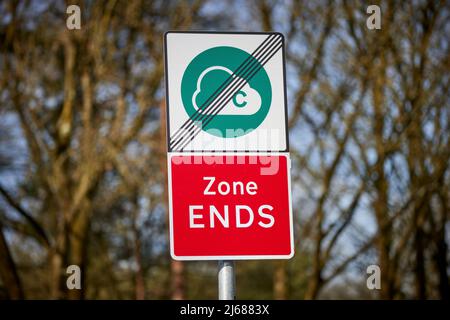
{"x": 166, "y": 82}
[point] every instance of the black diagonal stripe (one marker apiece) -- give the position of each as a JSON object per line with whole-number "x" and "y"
{"x": 200, "y": 112}
{"x": 229, "y": 92}
{"x": 191, "y": 136}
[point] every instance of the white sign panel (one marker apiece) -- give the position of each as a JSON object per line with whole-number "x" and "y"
{"x": 225, "y": 92}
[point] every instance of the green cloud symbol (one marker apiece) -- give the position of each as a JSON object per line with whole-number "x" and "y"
{"x": 246, "y": 101}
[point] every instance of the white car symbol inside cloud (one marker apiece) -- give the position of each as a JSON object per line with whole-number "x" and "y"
{"x": 246, "y": 101}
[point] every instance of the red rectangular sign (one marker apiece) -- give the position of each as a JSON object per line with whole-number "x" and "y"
{"x": 230, "y": 206}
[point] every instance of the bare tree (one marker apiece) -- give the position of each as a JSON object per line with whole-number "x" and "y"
{"x": 85, "y": 98}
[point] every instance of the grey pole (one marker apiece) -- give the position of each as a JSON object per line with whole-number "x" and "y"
{"x": 226, "y": 277}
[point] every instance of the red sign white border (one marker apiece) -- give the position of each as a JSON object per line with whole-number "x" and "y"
{"x": 226, "y": 257}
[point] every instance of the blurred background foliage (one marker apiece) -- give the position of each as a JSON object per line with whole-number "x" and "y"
{"x": 82, "y": 149}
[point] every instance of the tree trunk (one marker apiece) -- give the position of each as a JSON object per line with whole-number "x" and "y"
{"x": 420, "y": 264}
{"x": 315, "y": 282}
{"x": 78, "y": 243}
{"x": 440, "y": 256}
{"x": 381, "y": 185}
{"x": 56, "y": 258}
{"x": 139, "y": 276}
{"x": 440, "y": 260}
{"x": 314, "y": 286}
{"x": 8, "y": 270}
{"x": 280, "y": 278}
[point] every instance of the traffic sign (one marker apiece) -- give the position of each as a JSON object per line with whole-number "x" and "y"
{"x": 225, "y": 92}
{"x": 227, "y": 206}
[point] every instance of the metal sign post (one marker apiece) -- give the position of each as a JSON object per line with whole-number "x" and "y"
{"x": 227, "y": 280}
